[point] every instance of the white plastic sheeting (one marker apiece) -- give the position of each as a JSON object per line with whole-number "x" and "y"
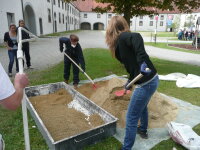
{"x": 182, "y": 80}
{"x": 184, "y": 135}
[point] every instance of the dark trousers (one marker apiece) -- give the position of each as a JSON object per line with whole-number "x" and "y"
{"x": 27, "y": 55}
{"x": 67, "y": 66}
{"x": 12, "y": 54}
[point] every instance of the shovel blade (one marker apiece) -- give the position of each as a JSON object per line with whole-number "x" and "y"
{"x": 94, "y": 86}
{"x": 122, "y": 92}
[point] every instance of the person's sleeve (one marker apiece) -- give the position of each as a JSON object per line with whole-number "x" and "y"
{"x": 81, "y": 57}
{"x": 5, "y": 37}
{"x": 125, "y": 41}
{"x": 27, "y": 34}
{"x": 6, "y": 87}
{"x": 62, "y": 41}
{"x": 138, "y": 45}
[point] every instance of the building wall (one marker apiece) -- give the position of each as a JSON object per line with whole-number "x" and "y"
{"x": 5, "y": 8}
{"x": 71, "y": 18}
{"x": 135, "y": 21}
{"x": 93, "y": 18}
{"x": 38, "y": 10}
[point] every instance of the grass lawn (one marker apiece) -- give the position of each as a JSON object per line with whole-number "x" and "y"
{"x": 2, "y": 46}
{"x": 165, "y": 45}
{"x": 159, "y": 34}
{"x": 99, "y": 63}
{"x": 61, "y": 33}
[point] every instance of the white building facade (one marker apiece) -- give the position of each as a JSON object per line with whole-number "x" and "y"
{"x": 49, "y": 16}
{"x": 40, "y": 16}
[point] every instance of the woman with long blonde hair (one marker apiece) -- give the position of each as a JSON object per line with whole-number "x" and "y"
{"x": 129, "y": 49}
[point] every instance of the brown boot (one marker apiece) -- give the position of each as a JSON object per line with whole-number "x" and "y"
{"x": 66, "y": 81}
{"x": 75, "y": 86}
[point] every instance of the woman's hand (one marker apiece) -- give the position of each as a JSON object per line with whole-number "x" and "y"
{"x": 144, "y": 69}
{"x": 9, "y": 48}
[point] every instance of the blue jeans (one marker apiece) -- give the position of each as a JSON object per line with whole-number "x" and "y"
{"x": 67, "y": 66}
{"x": 12, "y": 56}
{"x": 137, "y": 109}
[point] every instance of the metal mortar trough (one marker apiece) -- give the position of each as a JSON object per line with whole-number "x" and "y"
{"x": 75, "y": 142}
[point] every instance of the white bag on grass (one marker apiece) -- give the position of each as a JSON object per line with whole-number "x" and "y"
{"x": 184, "y": 135}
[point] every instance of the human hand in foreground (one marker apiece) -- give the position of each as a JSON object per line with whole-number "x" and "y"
{"x": 21, "y": 81}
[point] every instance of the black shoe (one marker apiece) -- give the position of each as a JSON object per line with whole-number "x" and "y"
{"x": 66, "y": 81}
{"x": 75, "y": 86}
{"x": 10, "y": 74}
{"x": 30, "y": 67}
{"x": 143, "y": 134}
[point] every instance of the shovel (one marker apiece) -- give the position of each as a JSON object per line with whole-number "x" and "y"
{"x": 94, "y": 86}
{"x": 124, "y": 91}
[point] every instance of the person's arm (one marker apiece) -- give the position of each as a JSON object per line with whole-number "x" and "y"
{"x": 14, "y": 101}
{"x": 140, "y": 52}
{"x": 6, "y": 41}
{"x": 62, "y": 41}
{"x": 8, "y": 47}
{"x": 81, "y": 57}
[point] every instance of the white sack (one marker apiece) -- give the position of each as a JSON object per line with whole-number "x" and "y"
{"x": 172, "y": 76}
{"x": 184, "y": 135}
{"x": 191, "y": 81}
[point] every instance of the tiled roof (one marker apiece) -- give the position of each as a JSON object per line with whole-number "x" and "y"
{"x": 88, "y": 5}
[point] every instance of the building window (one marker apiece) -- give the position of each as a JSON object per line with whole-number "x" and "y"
{"x": 141, "y": 23}
{"x": 85, "y": 15}
{"x": 151, "y": 17}
{"x": 54, "y": 2}
{"x": 62, "y": 5}
{"x": 161, "y": 23}
{"x": 49, "y": 15}
{"x": 55, "y": 16}
{"x": 11, "y": 18}
{"x": 162, "y": 17}
{"x": 58, "y": 3}
{"x": 109, "y": 15}
{"x": 68, "y": 19}
{"x": 130, "y": 23}
{"x": 65, "y": 6}
{"x": 59, "y": 18}
{"x": 48, "y": 1}
{"x": 72, "y": 20}
{"x": 170, "y": 17}
{"x": 63, "y": 19}
{"x": 151, "y": 23}
{"x": 98, "y": 15}
{"x": 141, "y": 17}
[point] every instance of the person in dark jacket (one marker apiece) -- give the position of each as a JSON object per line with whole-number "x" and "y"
{"x": 10, "y": 40}
{"x": 25, "y": 46}
{"x": 74, "y": 51}
{"x": 129, "y": 49}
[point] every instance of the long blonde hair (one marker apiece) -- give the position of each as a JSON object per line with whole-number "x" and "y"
{"x": 116, "y": 26}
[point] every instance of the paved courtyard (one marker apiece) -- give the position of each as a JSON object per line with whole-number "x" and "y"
{"x": 45, "y": 51}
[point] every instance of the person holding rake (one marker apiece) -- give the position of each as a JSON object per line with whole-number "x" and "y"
{"x": 74, "y": 51}
{"x": 129, "y": 49}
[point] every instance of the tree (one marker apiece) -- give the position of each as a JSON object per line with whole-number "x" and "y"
{"x": 130, "y": 8}
{"x": 176, "y": 23}
{"x": 190, "y": 21}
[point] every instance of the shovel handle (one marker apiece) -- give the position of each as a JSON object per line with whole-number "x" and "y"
{"x": 79, "y": 68}
{"x": 138, "y": 77}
